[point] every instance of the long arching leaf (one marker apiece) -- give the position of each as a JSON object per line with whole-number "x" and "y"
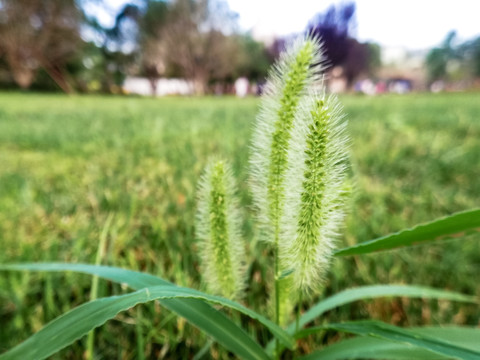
{"x": 133, "y": 279}
{"x": 372, "y": 348}
{"x": 392, "y": 333}
{"x": 377, "y": 348}
{"x": 76, "y": 323}
{"x": 138, "y": 280}
{"x": 375, "y": 291}
{"x": 235, "y": 340}
{"x": 456, "y": 225}
{"x": 371, "y": 292}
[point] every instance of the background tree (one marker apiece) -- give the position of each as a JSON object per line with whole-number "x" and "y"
{"x": 470, "y": 53}
{"x": 438, "y": 58}
{"x": 276, "y": 47}
{"x": 253, "y": 58}
{"x": 475, "y": 55}
{"x": 153, "y": 51}
{"x": 436, "y": 63}
{"x": 117, "y": 48}
{"x": 335, "y": 27}
{"x": 374, "y": 57}
{"x": 198, "y": 42}
{"x": 39, "y": 34}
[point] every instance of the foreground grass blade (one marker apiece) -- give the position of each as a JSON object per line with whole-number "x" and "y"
{"x": 374, "y": 291}
{"x": 372, "y": 348}
{"x": 392, "y": 333}
{"x": 222, "y": 329}
{"x": 456, "y": 225}
{"x": 133, "y": 279}
{"x": 77, "y": 322}
{"x": 376, "y": 348}
{"x": 138, "y": 280}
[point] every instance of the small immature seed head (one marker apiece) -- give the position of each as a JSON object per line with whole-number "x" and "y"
{"x": 218, "y": 229}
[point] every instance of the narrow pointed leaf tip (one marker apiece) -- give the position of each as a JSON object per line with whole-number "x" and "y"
{"x": 457, "y": 225}
{"x": 218, "y": 229}
{"x": 314, "y": 206}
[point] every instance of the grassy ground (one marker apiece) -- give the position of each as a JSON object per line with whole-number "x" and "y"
{"x": 68, "y": 163}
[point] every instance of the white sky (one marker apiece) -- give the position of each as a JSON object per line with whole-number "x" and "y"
{"x": 413, "y": 24}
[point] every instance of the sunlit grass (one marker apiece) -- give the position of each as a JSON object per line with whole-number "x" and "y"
{"x": 66, "y": 163}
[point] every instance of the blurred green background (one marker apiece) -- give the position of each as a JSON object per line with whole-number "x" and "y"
{"x": 107, "y": 164}
{"x": 68, "y": 163}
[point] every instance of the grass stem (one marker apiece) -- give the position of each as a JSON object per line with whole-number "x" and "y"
{"x": 277, "y": 285}
{"x": 140, "y": 339}
{"x": 299, "y": 311}
{"x": 94, "y": 290}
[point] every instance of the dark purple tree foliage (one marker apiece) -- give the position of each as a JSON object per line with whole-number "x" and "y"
{"x": 334, "y": 27}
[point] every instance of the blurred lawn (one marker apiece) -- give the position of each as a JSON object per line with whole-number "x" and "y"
{"x": 66, "y": 163}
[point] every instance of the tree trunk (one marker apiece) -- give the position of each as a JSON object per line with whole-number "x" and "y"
{"x": 22, "y": 74}
{"x": 58, "y": 76}
{"x": 23, "y": 77}
{"x": 153, "y": 85}
{"x": 200, "y": 83}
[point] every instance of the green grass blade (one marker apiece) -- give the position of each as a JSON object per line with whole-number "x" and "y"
{"x": 377, "y": 348}
{"x": 203, "y": 351}
{"x": 279, "y": 333}
{"x": 375, "y": 291}
{"x": 77, "y": 322}
{"x": 138, "y": 280}
{"x": 465, "y": 336}
{"x": 456, "y": 225}
{"x": 134, "y": 279}
{"x": 392, "y": 333}
{"x": 371, "y": 348}
{"x": 371, "y": 292}
{"x": 94, "y": 288}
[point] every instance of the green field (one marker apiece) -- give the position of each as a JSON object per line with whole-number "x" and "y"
{"x": 67, "y": 164}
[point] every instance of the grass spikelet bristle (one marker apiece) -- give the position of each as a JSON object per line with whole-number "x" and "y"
{"x": 313, "y": 208}
{"x": 289, "y": 81}
{"x": 218, "y": 229}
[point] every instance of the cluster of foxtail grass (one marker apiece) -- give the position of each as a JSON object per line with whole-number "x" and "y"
{"x": 298, "y": 182}
{"x": 298, "y": 167}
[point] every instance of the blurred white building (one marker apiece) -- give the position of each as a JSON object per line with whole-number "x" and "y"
{"x": 403, "y": 58}
{"x": 142, "y": 86}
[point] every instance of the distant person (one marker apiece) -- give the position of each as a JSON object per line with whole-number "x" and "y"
{"x": 241, "y": 87}
{"x": 381, "y": 87}
{"x": 260, "y": 87}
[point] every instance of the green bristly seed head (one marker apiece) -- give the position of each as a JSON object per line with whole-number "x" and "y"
{"x": 294, "y": 85}
{"x": 313, "y": 208}
{"x": 218, "y": 229}
{"x": 312, "y": 191}
{"x": 288, "y": 83}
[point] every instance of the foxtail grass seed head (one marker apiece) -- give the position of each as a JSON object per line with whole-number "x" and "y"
{"x": 290, "y": 81}
{"x": 315, "y": 179}
{"x": 298, "y": 68}
{"x": 218, "y": 229}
